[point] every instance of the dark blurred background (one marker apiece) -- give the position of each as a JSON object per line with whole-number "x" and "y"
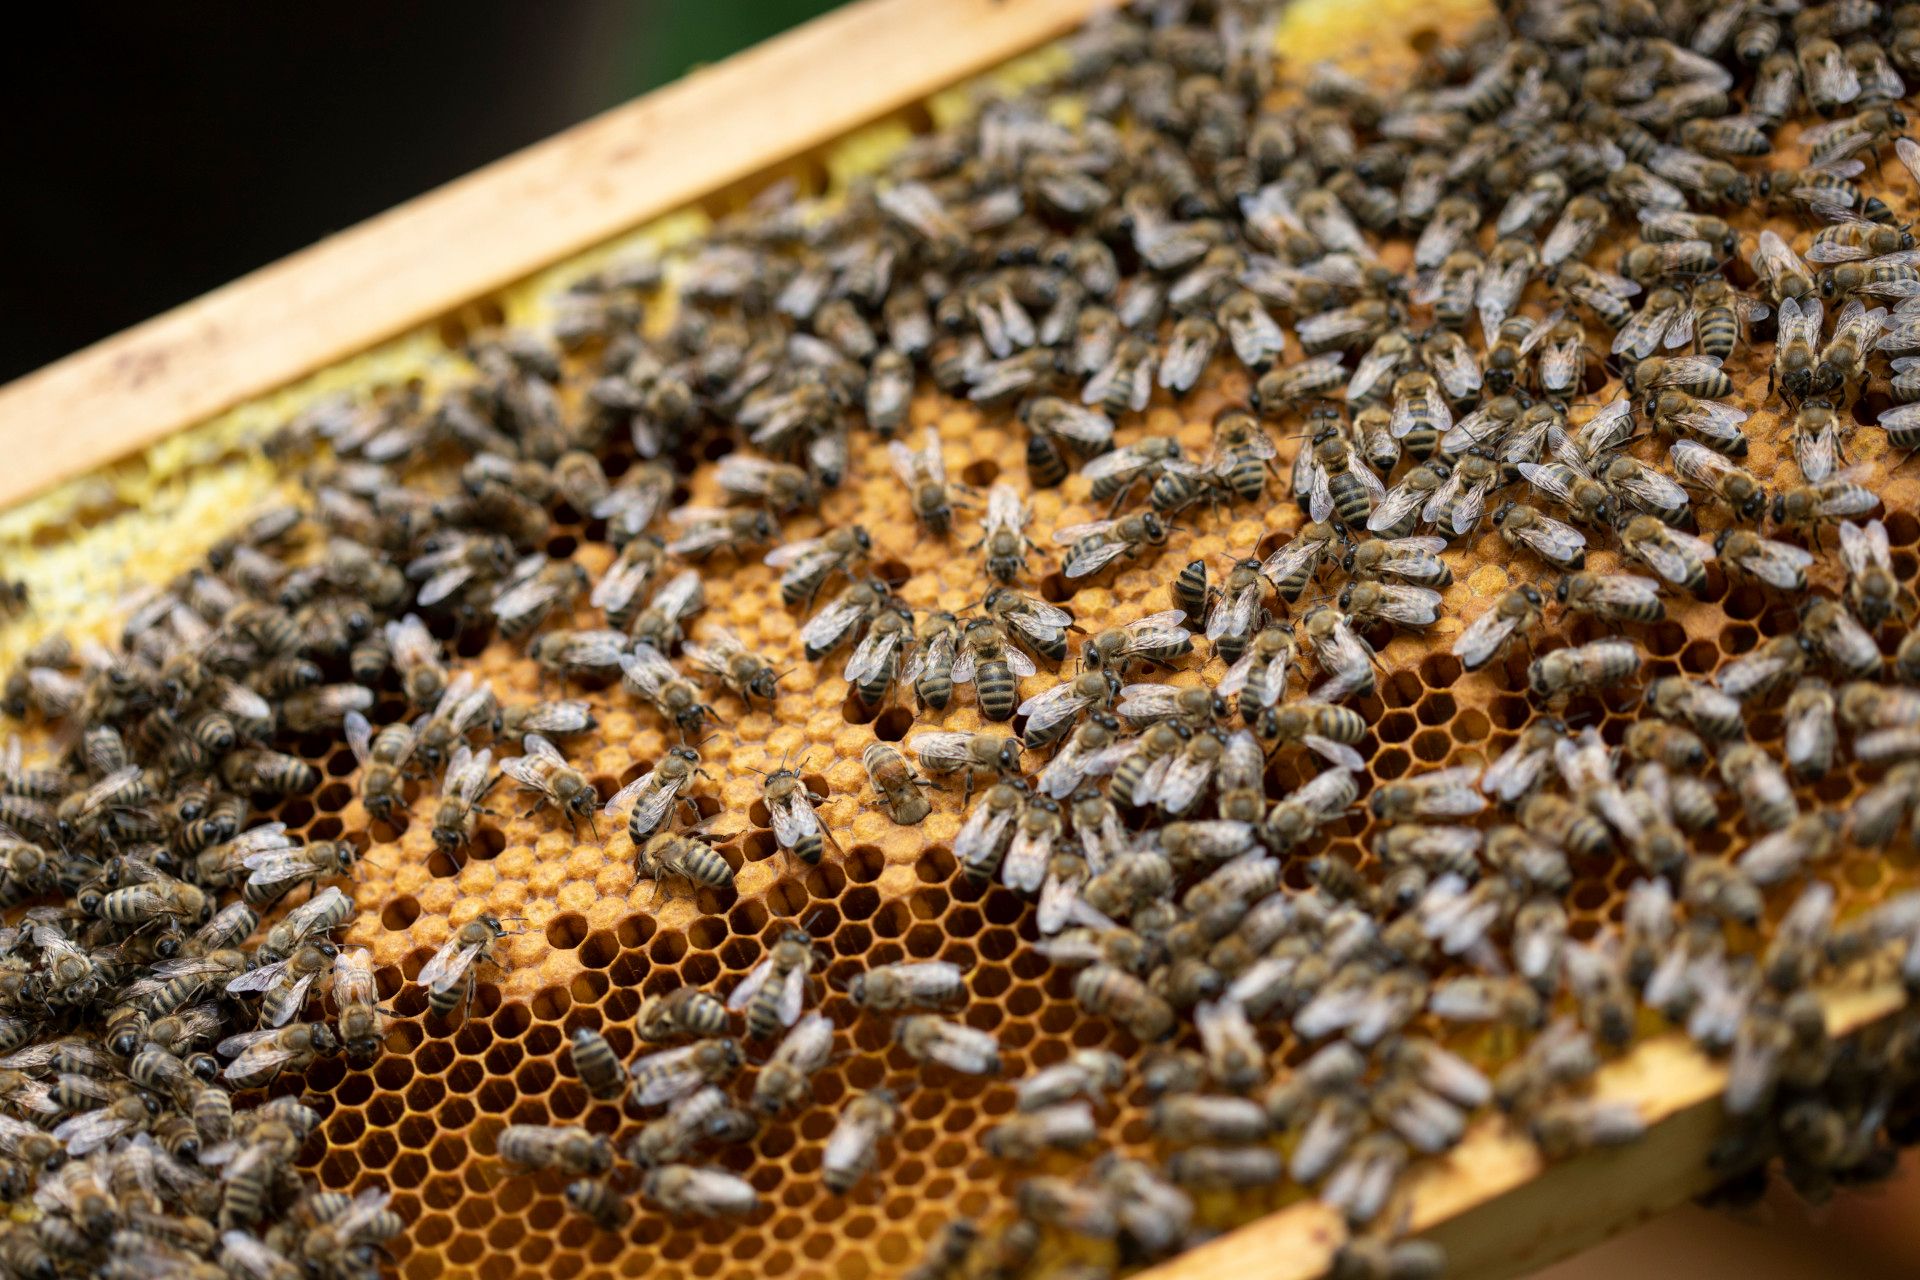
{"x": 159, "y": 151}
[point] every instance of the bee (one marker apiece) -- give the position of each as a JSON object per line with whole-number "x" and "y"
{"x": 1256, "y": 339}
{"x": 1107, "y": 992}
{"x": 624, "y": 585}
{"x": 723, "y": 656}
{"x": 589, "y": 654}
{"x": 1778, "y": 564}
{"x": 442, "y": 976}
{"x": 699, "y": 1192}
{"x": 1454, "y": 508}
{"x": 467, "y": 781}
{"x": 993, "y": 666}
{"x": 1449, "y": 289}
{"x": 570, "y": 1149}
{"x": 630, "y": 506}
{"x": 1089, "y": 1073}
{"x": 1706, "y": 711}
{"x": 841, "y": 618}
{"x": 1666, "y": 318}
{"x": 1602, "y": 293}
{"x": 362, "y": 1022}
{"x": 596, "y": 1199}
{"x": 1785, "y": 278}
{"x": 773, "y": 992}
{"x": 544, "y": 771}
{"x": 1611, "y": 597}
{"x": 1360, "y": 323}
{"x": 1816, "y": 440}
{"x": 1579, "y": 226}
{"x": 1513, "y": 614}
{"x": 962, "y": 1049}
{"x": 650, "y": 676}
{"x": 1397, "y": 511}
{"x": 779, "y": 486}
{"x": 895, "y": 782}
{"x": 682, "y": 1011}
{"x": 1856, "y": 331}
{"x": 1853, "y": 239}
{"x": 536, "y": 589}
{"x": 1125, "y": 381}
{"x": 1873, "y": 591}
{"x": 790, "y": 808}
{"x": 1794, "y": 840}
{"x": 260, "y": 1056}
{"x": 1761, "y": 671}
{"x": 705, "y": 531}
{"x": 1601, "y": 664}
{"x": 807, "y": 565}
{"x": 1811, "y": 735}
{"x": 659, "y": 624}
{"x": 650, "y": 798}
{"x": 673, "y": 1074}
{"x": 850, "y": 1149}
{"x": 1837, "y": 498}
{"x": 1678, "y": 558}
{"x": 1338, "y": 482}
{"x": 1099, "y": 543}
{"x": 1055, "y": 427}
{"x": 1281, "y": 388}
{"x": 1834, "y": 634}
{"x": 924, "y": 473}
{"x": 1001, "y": 534}
{"x": 1420, "y": 416}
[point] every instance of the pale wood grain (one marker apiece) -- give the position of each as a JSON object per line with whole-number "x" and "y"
{"x": 417, "y": 262}
{"x": 1500, "y": 1211}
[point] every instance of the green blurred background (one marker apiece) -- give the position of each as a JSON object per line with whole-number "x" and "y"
{"x": 159, "y": 151}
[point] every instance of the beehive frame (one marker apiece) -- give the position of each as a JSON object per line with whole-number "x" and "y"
{"x": 1490, "y": 1202}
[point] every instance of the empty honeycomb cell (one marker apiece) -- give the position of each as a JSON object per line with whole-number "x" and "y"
{"x": 414, "y": 1131}
{"x": 378, "y": 1149}
{"x": 400, "y": 913}
{"x": 1436, "y": 708}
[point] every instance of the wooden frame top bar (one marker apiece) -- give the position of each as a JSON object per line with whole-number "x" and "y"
{"x": 412, "y": 264}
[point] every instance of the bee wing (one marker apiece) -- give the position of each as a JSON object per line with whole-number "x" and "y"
{"x": 793, "y": 996}
{"x": 682, "y": 595}
{"x": 1653, "y": 489}
{"x": 982, "y": 833}
{"x": 1698, "y": 463}
{"x": 749, "y": 986}
{"x": 1374, "y": 368}
{"x": 1863, "y": 549}
{"x": 257, "y": 979}
{"x": 1409, "y": 605}
{"x": 91, "y": 1130}
{"x": 1044, "y": 710}
{"x": 1665, "y": 559}
{"x": 359, "y": 735}
{"x": 791, "y": 553}
{"x": 1483, "y": 638}
{"x": 1568, "y": 235}
{"x": 448, "y": 963}
{"x": 1773, "y": 259}
{"x": 871, "y": 656}
{"x": 793, "y": 819}
{"x": 1337, "y": 753}
{"x": 1231, "y": 616}
{"x": 1184, "y": 782}
{"x": 1069, "y": 534}
{"x": 277, "y": 865}
{"x": 1005, "y": 510}
{"x": 829, "y": 626}
{"x": 1437, "y": 501}
{"x": 1778, "y": 564}
{"x": 1554, "y": 539}
{"x": 941, "y": 750}
{"x": 1092, "y": 559}
{"x": 1257, "y": 339}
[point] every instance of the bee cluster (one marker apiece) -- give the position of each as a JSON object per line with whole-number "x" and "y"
{"x": 1407, "y": 288}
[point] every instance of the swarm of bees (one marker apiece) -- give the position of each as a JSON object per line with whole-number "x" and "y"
{"x": 1571, "y": 184}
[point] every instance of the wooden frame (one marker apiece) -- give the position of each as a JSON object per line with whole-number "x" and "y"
{"x": 1492, "y": 1202}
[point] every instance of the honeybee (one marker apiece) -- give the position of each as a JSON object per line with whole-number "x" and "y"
{"x": 1002, "y": 534}
{"x": 1611, "y": 597}
{"x": 630, "y": 506}
{"x": 1679, "y": 558}
{"x": 722, "y": 656}
{"x": 1108, "y": 992}
{"x": 536, "y": 589}
{"x": 924, "y": 473}
{"x": 1257, "y": 340}
{"x": 1396, "y": 513}
{"x": 963, "y": 1049}
{"x": 1833, "y": 633}
{"x": 1707, "y": 711}
{"x": 260, "y": 1056}
{"x": 1089, "y": 1073}
{"x": 850, "y": 1149}
{"x": 895, "y": 782}
{"x": 1796, "y": 348}
{"x": 1856, "y": 332}
{"x": 579, "y": 653}
{"x": 650, "y": 798}
{"x": 362, "y": 1022}
{"x": 1297, "y": 562}
{"x": 1778, "y": 564}
{"x": 543, "y": 771}
{"x": 443, "y": 975}
{"x": 1795, "y": 839}
{"x": 1343, "y": 657}
{"x": 672, "y": 1074}
{"x": 1784, "y": 277}
{"x": 682, "y": 1011}
{"x": 570, "y": 1149}
{"x": 648, "y": 674}
{"x": 704, "y": 531}
{"x": 1052, "y": 422}
{"x": 1873, "y": 591}
{"x": 1601, "y": 664}
{"x": 659, "y": 625}
{"x": 1282, "y": 388}
{"x": 1513, "y": 614}
{"x": 699, "y": 1192}
{"x": 1557, "y": 543}
{"x": 782, "y": 487}
{"x": 1811, "y": 735}
{"x": 841, "y": 618}
{"x": 796, "y": 826}
{"x": 1838, "y": 497}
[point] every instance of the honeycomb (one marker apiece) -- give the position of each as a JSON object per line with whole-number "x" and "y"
{"x": 594, "y": 941}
